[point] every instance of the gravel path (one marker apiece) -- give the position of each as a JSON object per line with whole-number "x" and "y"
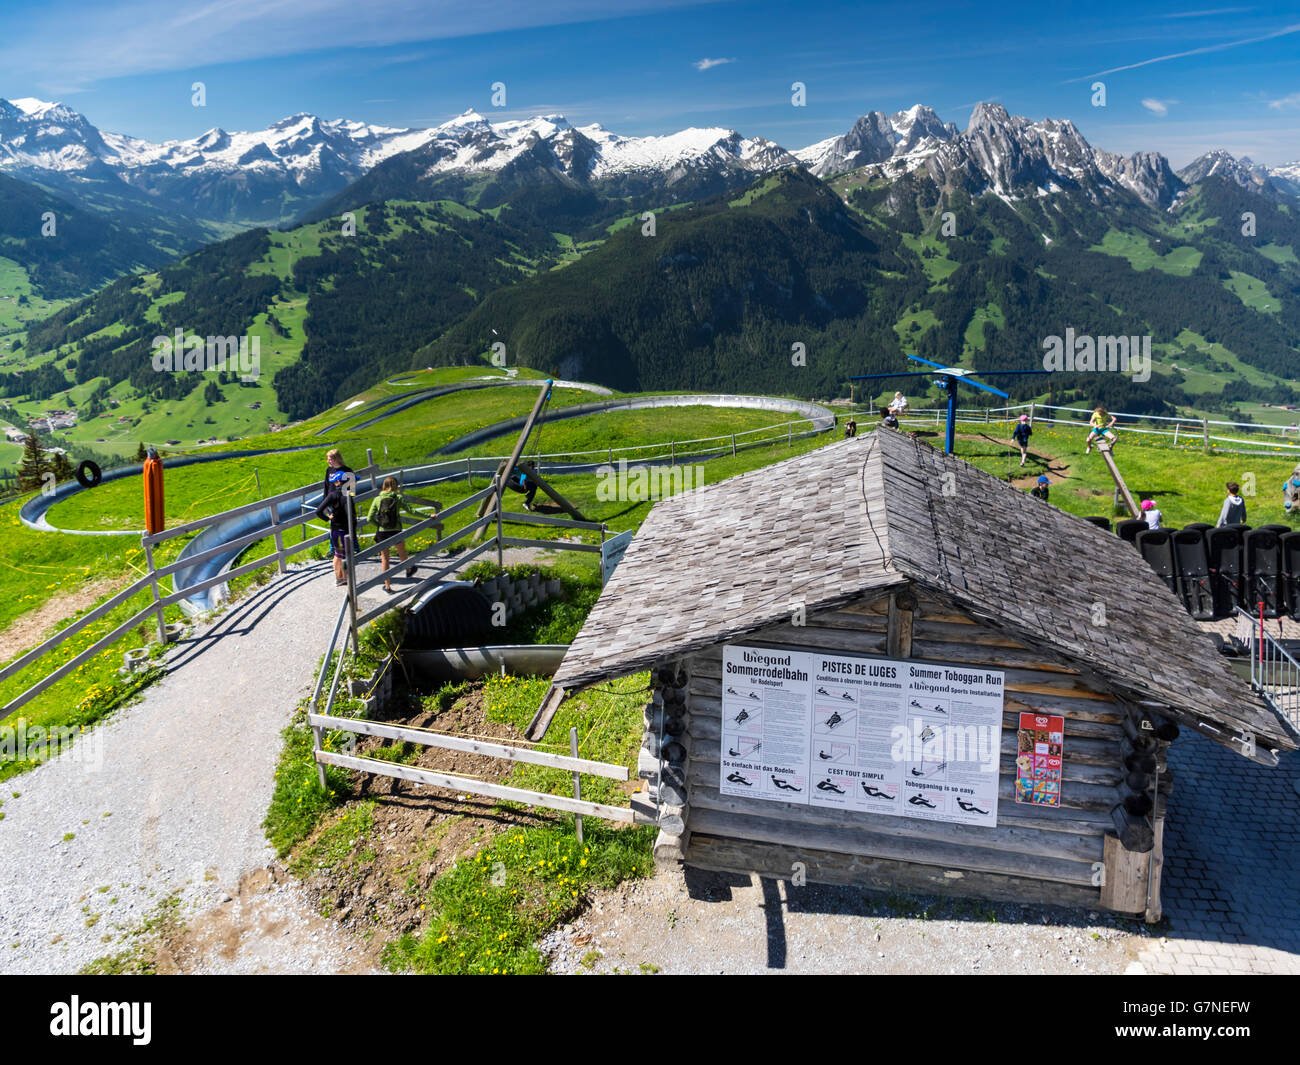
{"x": 168, "y": 796}
{"x": 701, "y": 922}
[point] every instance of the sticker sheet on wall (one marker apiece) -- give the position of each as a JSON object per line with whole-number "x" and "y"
{"x": 1039, "y": 759}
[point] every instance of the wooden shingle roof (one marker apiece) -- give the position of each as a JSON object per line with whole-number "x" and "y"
{"x": 860, "y": 516}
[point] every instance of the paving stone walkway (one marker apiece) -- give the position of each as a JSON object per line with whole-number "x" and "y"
{"x": 1231, "y": 883}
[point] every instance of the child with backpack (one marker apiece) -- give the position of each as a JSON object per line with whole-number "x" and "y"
{"x": 338, "y": 505}
{"x": 385, "y": 512}
{"x": 1041, "y": 488}
{"x": 1021, "y": 434}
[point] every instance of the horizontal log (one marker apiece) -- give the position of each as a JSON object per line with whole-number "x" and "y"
{"x": 1084, "y": 847}
{"x": 878, "y": 874}
{"x": 842, "y": 840}
{"x": 670, "y": 847}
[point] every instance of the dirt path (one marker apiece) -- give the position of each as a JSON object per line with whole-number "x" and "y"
{"x": 27, "y": 630}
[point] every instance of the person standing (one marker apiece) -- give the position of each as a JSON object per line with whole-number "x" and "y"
{"x": 1234, "y": 507}
{"x": 386, "y": 512}
{"x": 1021, "y": 434}
{"x": 850, "y": 429}
{"x": 338, "y": 506}
{"x": 1150, "y": 514}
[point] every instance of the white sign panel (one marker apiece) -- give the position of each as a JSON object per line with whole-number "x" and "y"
{"x": 883, "y": 736}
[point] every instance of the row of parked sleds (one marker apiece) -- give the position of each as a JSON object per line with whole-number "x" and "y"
{"x": 1214, "y": 570}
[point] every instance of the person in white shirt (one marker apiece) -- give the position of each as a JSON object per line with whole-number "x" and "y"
{"x": 1152, "y": 515}
{"x": 898, "y": 404}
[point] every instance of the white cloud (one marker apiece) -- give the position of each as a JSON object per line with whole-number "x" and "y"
{"x": 705, "y": 64}
{"x": 1157, "y": 107}
{"x": 1285, "y": 103}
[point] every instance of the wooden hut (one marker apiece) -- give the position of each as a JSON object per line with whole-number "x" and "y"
{"x": 878, "y": 665}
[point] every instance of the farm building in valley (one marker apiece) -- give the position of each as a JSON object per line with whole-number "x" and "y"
{"x": 881, "y": 666}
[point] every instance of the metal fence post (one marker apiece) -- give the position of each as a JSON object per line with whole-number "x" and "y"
{"x": 370, "y": 461}
{"x": 153, "y": 587}
{"x": 1031, "y": 415}
{"x": 577, "y": 779}
{"x": 733, "y": 445}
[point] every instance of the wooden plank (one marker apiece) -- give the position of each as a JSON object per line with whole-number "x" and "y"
{"x": 1083, "y": 847}
{"x": 1125, "y": 889}
{"x": 841, "y": 840}
{"x": 475, "y": 787}
{"x": 429, "y": 738}
{"x": 771, "y": 860}
{"x": 1154, "y": 908}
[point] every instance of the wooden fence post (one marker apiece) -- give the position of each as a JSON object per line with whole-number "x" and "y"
{"x": 733, "y": 445}
{"x": 497, "y": 487}
{"x": 370, "y": 461}
{"x": 1205, "y": 433}
{"x": 279, "y": 537}
{"x": 1031, "y": 415}
{"x": 1177, "y": 425}
{"x": 153, "y": 586}
{"x": 577, "y": 779}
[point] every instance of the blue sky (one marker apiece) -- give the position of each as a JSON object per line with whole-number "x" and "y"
{"x": 1180, "y": 77}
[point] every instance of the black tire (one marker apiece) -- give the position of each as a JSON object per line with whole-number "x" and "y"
{"x": 89, "y": 474}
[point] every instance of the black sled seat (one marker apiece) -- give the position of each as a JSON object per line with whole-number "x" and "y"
{"x": 1101, "y": 523}
{"x": 1263, "y": 572}
{"x": 1129, "y": 528}
{"x": 1157, "y": 547}
{"x": 1193, "y": 573}
{"x": 1290, "y": 544}
{"x": 1223, "y": 547}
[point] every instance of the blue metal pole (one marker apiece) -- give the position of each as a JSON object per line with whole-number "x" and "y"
{"x": 950, "y": 437}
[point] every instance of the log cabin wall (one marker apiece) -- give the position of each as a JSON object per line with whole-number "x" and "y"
{"x": 1034, "y": 854}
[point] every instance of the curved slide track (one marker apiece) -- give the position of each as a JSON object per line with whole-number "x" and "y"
{"x": 412, "y": 399}
{"x": 822, "y": 419}
{"x": 225, "y": 530}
